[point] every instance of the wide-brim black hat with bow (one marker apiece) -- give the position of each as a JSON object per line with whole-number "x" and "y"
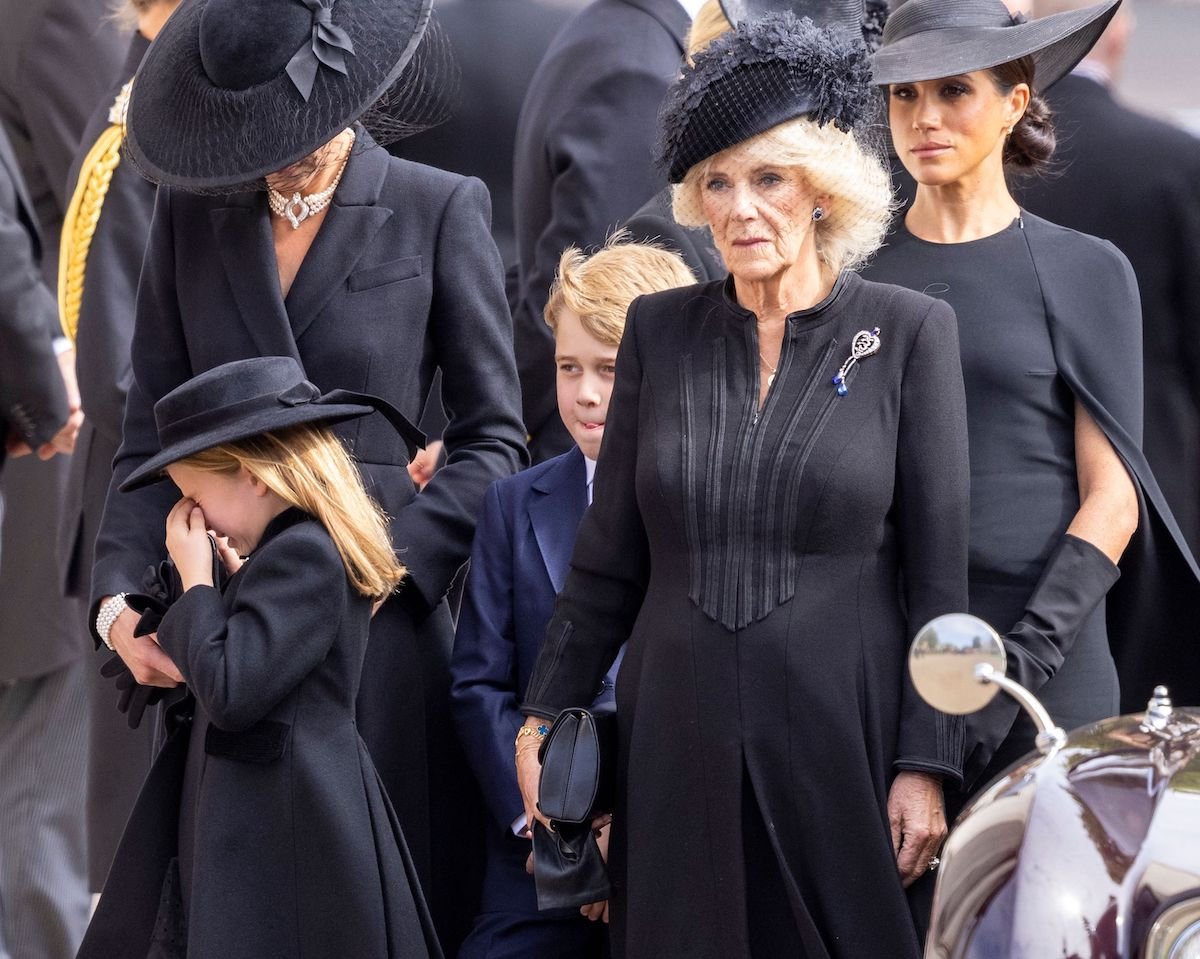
{"x": 763, "y": 73}
{"x": 232, "y": 90}
{"x": 930, "y": 39}
{"x": 246, "y": 398}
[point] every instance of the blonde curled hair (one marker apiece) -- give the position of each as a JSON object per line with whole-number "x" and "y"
{"x": 600, "y": 287}
{"x": 307, "y": 467}
{"x": 835, "y": 165}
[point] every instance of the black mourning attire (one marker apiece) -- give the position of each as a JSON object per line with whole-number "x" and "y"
{"x": 118, "y": 757}
{"x": 1047, "y": 316}
{"x": 655, "y": 223}
{"x": 1135, "y": 181}
{"x": 768, "y": 568}
{"x": 583, "y": 166}
{"x": 264, "y": 802}
{"x": 401, "y": 279}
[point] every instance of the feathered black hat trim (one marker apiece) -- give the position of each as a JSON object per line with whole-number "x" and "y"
{"x": 762, "y": 74}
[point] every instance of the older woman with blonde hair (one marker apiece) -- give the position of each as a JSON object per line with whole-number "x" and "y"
{"x": 781, "y": 502}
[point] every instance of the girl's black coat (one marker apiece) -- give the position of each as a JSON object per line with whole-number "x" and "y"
{"x": 296, "y": 849}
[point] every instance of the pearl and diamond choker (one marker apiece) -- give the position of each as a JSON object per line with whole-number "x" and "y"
{"x": 298, "y": 208}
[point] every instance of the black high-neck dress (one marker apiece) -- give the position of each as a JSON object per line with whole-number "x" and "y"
{"x": 768, "y": 568}
{"x": 1021, "y": 423}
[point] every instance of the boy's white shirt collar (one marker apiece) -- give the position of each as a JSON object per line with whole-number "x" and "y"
{"x": 590, "y": 466}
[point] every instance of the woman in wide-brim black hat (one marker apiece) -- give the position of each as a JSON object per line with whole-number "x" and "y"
{"x": 1050, "y": 329}
{"x": 282, "y": 229}
{"x": 779, "y": 505}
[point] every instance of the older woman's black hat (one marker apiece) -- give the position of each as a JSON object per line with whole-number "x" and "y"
{"x": 929, "y": 39}
{"x": 765, "y": 72}
{"x": 232, "y": 90}
{"x": 246, "y": 398}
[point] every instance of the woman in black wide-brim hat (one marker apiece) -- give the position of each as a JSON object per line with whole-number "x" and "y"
{"x": 780, "y": 503}
{"x": 1050, "y": 328}
{"x": 280, "y": 229}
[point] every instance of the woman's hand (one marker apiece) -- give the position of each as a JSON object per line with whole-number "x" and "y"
{"x": 917, "y": 814}
{"x": 529, "y": 774}
{"x": 598, "y": 911}
{"x": 189, "y": 544}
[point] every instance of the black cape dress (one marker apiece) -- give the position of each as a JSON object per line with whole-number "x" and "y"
{"x": 768, "y": 568}
{"x": 1047, "y": 315}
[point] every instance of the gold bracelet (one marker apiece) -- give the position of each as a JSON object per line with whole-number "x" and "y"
{"x": 524, "y": 732}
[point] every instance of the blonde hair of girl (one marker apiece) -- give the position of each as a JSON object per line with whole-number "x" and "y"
{"x": 308, "y": 468}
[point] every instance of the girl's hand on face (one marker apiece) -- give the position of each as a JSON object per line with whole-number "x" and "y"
{"x": 189, "y": 544}
{"x": 229, "y": 556}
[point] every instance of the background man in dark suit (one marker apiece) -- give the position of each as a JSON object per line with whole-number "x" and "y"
{"x": 1135, "y": 181}
{"x": 112, "y": 205}
{"x": 57, "y": 58}
{"x": 583, "y": 165}
{"x": 43, "y": 899}
{"x": 479, "y": 137}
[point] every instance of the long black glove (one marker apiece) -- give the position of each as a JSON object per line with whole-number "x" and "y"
{"x": 1077, "y": 576}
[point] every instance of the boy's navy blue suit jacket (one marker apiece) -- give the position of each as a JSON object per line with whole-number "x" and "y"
{"x": 520, "y": 558}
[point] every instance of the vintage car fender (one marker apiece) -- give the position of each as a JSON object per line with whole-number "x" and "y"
{"x": 1091, "y": 851}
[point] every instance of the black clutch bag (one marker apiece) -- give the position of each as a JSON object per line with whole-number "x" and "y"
{"x": 579, "y": 758}
{"x": 578, "y": 778}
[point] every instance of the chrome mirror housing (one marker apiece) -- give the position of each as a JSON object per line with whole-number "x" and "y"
{"x": 957, "y": 663}
{"x": 943, "y": 659}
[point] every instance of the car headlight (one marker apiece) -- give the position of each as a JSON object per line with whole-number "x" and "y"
{"x": 1176, "y": 933}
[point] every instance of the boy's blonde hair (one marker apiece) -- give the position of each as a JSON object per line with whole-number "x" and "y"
{"x": 307, "y": 467}
{"x": 600, "y": 287}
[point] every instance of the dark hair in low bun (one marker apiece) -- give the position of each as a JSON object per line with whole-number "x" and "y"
{"x": 1031, "y": 144}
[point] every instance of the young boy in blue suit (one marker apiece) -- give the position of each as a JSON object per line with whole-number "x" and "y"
{"x": 522, "y": 549}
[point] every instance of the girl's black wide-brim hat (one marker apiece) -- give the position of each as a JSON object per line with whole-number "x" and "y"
{"x": 246, "y": 398}
{"x": 232, "y": 90}
{"x": 930, "y": 39}
{"x": 763, "y": 73}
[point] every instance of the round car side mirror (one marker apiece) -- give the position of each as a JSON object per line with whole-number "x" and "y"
{"x": 944, "y": 662}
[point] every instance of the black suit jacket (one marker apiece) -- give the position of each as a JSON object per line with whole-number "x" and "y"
{"x": 478, "y": 139}
{"x": 655, "y": 223}
{"x": 105, "y": 330}
{"x": 32, "y": 398}
{"x": 402, "y": 278}
{"x": 57, "y": 57}
{"x": 583, "y": 165}
{"x": 1135, "y": 181}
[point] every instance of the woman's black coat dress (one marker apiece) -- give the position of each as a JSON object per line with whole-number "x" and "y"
{"x": 279, "y": 827}
{"x": 768, "y": 569}
{"x": 1048, "y": 316}
{"x": 403, "y": 278}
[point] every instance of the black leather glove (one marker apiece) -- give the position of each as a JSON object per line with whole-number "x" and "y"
{"x": 1077, "y": 576}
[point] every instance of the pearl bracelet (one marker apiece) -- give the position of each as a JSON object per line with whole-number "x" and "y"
{"x": 110, "y": 610}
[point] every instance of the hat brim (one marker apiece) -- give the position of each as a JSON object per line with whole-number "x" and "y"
{"x": 186, "y": 132}
{"x": 265, "y": 421}
{"x": 1056, "y": 43}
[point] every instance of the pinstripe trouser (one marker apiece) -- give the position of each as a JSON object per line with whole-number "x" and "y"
{"x": 43, "y": 767}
